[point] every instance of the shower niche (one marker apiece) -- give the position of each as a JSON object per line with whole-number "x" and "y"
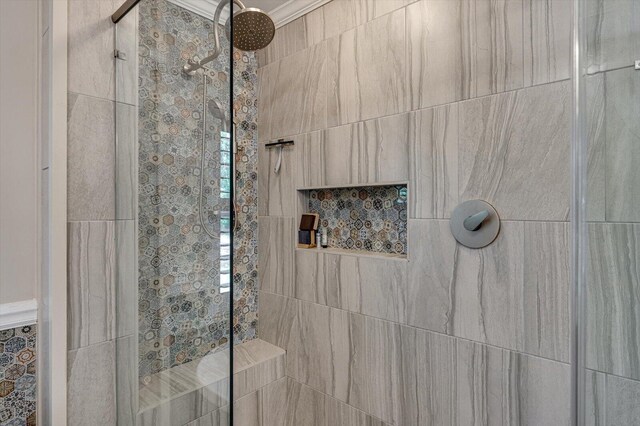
{"x": 361, "y": 219}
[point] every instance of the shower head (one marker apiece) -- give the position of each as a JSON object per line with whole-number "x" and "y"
{"x": 214, "y": 109}
{"x": 253, "y": 29}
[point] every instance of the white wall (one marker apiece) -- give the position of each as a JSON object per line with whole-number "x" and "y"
{"x": 19, "y": 168}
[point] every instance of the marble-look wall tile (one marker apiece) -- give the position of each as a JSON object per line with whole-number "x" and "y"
{"x": 613, "y": 317}
{"x": 622, "y": 396}
{"x": 215, "y": 418}
{"x": 538, "y": 391}
{"x": 378, "y": 151}
{"x": 91, "y": 45}
{"x": 91, "y": 385}
{"x": 403, "y": 375}
{"x": 433, "y": 162}
{"x": 184, "y": 408}
{"x": 126, "y": 284}
{"x": 595, "y": 405}
{"x": 323, "y": 348}
{"x": 375, "y": 366}
{"x": 365, "y": 71}
{"x": 340, "y": 16}
{"x": 474, "y": 294}
{"x": 370, "y": 286}
{"x": 462, "y": 49}
{"x": 91, "y": 158}
{"x": 126, "y": 167}
{"x": 513, "y": 293}
{"x": 383, "y": 151}
{"x": 287, "y": 402}
{"x": 276, "y": 245}
{"x": 343, "y": 15}
{"x": 274, "y": 402}
{"x": 596, "y": 153}
{"x": 256, "y": 364}
{"x": 279, "y": 326}
{"x": 622, "y": 130}
{"x": 546, "y": 295}
{"x": 304, "y": 405}
{"x": 434, "y": 53}
{"x": 126, "y": 353}
{"x": 293, "y": 94}
{"x": 480, "y": 372}
{"x": 547, "y": 41}
{"x": 91, "y": 286}
{"x": 487, "y": 290}
{"x": 494, "y": 60}
{"x": 613, "y": 34}
{"x": 296, "y": 35}
{"x": 339, "y": 413}
{"x": 515, "y": 152}
{"x": 277, "y": 194}
{"x": 430, "y": 292}
{"x": 427, "y": 385}
{"x": 248, "y": 410}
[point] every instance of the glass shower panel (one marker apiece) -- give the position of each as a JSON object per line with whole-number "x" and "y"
{"x": 174, "y": 218}
{"x": 611, "y": 317}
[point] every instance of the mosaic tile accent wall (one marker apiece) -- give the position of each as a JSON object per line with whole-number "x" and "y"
{"x": 18, "y": 376}
{"x": 369, "y": 218}
{"x": 183, "y": 308}
{"x": 245, "y": 268}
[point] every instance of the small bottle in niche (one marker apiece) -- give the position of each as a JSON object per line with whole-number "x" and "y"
{"x": 324, "y": 239}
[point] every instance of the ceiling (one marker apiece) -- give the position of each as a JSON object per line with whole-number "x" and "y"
{"x": 281, "y": 11}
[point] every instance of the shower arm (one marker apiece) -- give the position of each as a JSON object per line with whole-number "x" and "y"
{"x": 192, "y": 66}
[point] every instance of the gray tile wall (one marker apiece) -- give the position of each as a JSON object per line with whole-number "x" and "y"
{"x": 462, "y": 99}
{"x": 99, "y": 235}
{"x": 613, "y": 327}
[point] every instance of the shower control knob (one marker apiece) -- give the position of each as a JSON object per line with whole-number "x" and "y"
{"x": 475, "y": 224}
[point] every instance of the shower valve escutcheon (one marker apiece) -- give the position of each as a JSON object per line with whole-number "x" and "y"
{"x": 475, "y": 224}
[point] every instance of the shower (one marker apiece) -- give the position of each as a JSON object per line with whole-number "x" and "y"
{"x": 253, "y": 30}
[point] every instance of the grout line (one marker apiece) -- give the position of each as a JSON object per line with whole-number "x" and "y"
{"x": 613, "y": 375}
{"x": 336, "y": 399}
{"x": 416, "y": 110}
{"x": 417, "y": 328}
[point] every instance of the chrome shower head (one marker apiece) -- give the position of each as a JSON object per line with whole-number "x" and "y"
{"x": 253, "y": 29}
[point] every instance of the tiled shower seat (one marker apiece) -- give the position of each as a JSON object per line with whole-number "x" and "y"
{"x": 189, "y": 391}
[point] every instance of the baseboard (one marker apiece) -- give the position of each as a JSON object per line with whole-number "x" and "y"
{"x": 17, "y": 314}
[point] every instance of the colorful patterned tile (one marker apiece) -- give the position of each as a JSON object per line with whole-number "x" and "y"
{"x": 368, "y": 218}
{"x": 18, "y": 376}
{"x": 183, "y": 308}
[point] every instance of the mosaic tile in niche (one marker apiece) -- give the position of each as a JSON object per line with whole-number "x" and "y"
{"x": 368, "y": 218}
{"x": 18, "y": 376}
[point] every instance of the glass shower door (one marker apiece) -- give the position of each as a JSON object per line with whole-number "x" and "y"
{"x": 174, "y": 189}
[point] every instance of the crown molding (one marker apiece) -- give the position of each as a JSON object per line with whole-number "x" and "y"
{"x": 293, "y": 9}
{"x": 206, "y": 8}
{"x": 17, "y": 314}
{"x": 281, "y": 15}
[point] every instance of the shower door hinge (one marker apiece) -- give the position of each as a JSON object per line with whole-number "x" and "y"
{"x": 638, "y": 64}
{"x": 119, "y": 54}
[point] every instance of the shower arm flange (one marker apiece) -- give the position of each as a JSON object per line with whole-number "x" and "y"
{"x": 192, "y": 66}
